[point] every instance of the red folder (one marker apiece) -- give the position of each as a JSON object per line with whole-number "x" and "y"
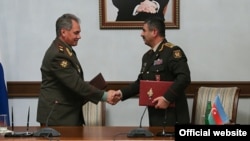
{"x": 150, "y": 89}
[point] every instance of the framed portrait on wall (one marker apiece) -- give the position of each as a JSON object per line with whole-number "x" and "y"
{"x": 130, "y": 14}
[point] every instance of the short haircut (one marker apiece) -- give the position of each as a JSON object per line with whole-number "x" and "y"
{"x": 65, "y": 22}
{"x": 156, "y": 23}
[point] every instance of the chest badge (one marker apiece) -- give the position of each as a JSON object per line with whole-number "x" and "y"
{"x": 64, "y": 63}
{"x": 158, "y": 61}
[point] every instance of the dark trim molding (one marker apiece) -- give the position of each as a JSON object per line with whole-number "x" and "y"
{"x": 32, "y": 88}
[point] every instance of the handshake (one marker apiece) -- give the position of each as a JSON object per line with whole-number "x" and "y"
{"x": 113, "y": 96}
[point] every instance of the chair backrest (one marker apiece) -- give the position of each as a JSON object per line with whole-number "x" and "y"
{"x": 94, "y": 114}
{"x": 229, "y": 97}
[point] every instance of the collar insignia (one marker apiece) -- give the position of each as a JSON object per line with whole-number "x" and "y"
{"x": 78, "y": 68}
{"x": 69, "y": 52}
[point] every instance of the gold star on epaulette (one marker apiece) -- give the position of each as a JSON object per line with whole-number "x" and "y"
{"x": 64, "y": 63}
{"x": 69, "y": 52}
{"x": 60, "y": 48}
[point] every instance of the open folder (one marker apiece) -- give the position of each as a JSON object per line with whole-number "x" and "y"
{"x": 98, "y": 81}
{"x": 150, "y": 90}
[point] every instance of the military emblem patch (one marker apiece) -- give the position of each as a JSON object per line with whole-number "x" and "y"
{"x": 64, "y": 64}
{"x": 177, "y": 54}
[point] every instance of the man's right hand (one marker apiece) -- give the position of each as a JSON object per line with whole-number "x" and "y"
{"x": 113, "y": 97}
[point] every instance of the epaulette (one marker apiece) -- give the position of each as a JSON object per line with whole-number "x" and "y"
{"x": 60, "y": 48}
{"x": 168, "y": 44}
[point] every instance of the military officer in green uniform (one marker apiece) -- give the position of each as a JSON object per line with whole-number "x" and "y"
{"x": 163, "y": 62}
{"x": 63, "y": 89}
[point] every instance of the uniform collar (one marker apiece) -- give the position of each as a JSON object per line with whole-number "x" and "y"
{"x": 64, "y": 44}
{"x": 157, "y": 46}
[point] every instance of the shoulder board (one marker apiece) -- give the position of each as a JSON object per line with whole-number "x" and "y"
{"x": 60, "y": 48}
{"x": 170, "y": 45}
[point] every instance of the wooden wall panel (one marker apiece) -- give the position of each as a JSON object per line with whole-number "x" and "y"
{"x": 31, "y": 88}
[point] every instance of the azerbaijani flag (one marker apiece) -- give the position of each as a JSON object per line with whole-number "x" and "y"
{"x": 217, "y": 116}
{"x": 4, "y": 104}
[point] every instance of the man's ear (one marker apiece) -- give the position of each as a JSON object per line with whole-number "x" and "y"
{"x": 63, "y": 31}
{"x": 155, "y": 32}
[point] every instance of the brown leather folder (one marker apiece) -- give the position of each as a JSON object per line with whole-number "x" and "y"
{"x": 98, "y": 81}
{"x": 150, "y": 89}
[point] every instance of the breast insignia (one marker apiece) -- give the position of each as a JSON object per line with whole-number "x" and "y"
{"x": 64, "y": 63}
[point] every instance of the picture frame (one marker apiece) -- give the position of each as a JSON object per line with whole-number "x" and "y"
{"x": 108, "y": 15}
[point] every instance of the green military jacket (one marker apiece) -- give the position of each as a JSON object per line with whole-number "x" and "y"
{"x": 63, "y": 89}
